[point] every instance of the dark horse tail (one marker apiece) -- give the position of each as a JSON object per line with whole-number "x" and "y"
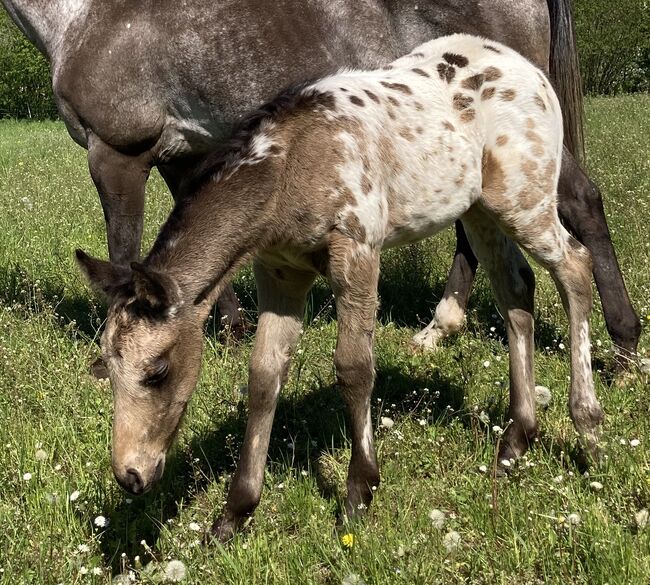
{"x": 564, "y": 69}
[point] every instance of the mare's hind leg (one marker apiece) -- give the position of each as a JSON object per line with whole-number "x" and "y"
{"x": 281, "y": 295}
{"x": 513, "y": 284}
{"x": 450, "y": 311}
{"x": 353, "y": 274}
{"x": 581, "y": 208}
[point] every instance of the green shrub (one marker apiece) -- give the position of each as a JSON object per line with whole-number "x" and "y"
{"x": 25, "y": 84}
{"x": 614, "y": 45}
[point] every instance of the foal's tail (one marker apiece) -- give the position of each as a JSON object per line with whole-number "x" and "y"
{"x": 564, "y": 69}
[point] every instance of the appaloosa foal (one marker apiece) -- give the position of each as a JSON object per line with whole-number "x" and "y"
{"x": 319, "y": 181}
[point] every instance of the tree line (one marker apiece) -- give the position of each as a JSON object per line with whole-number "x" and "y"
{"x": 613, "y": 43}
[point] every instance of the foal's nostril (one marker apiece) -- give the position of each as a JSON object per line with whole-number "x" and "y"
{"x": 134, "y": 481}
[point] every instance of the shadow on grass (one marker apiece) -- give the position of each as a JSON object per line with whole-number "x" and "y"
{"x": 318, "y": 419}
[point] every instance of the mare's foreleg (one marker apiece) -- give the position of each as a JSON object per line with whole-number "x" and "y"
{"x": 353, "y": 274}
{"x": 450, "y": 312}
{"x": 281, "y": 296}
{"x": 581, "y": 208}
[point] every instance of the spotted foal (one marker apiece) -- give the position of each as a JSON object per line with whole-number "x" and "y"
{"x": 319, "y": 181}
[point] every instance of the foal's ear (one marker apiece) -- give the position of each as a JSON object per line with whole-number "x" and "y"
{"x": 157, "y": 289}
{"x": 104, "y": 276}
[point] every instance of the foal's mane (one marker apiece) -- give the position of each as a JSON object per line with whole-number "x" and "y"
{"x": 238, "y": 145}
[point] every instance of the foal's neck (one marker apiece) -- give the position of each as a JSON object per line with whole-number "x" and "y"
{"x": 216, "y": 229}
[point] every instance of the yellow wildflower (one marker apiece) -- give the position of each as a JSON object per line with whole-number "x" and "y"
{"x": 347, "y": 540}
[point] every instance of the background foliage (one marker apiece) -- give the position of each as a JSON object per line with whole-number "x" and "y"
{"x": 613, "y": 41}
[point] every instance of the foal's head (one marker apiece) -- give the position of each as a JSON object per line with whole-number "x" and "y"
{"x": 152, "y": 349}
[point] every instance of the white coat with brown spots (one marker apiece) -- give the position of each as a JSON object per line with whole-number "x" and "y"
{"x": 319, "y": 181}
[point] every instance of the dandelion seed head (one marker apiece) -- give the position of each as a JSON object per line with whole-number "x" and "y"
{"x": 101, "y": 522}
{"x": 543, "y": 395}
{"x": 40, "y": 455}
{"x": 27, "y": 476}
{"x": 74, "y": 496}
{"x": 438, "y": 518}
{"x": 175, "y": 571}
{"x": 641, "y": 518}
{"x": 451, "y": 541}
{"x": 386, "y": 422}
{"x": 596, "y": 486}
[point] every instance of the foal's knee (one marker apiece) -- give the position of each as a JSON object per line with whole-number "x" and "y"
{"x": 354, "y": 367}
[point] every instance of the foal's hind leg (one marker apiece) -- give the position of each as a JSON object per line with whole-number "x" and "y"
{"x": 353, "y": 274}
{"x": 281, "y": 297}
{"x": 513, "y": 283}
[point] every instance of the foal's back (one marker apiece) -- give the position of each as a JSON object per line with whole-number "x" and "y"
{"x": 422, "y": 139}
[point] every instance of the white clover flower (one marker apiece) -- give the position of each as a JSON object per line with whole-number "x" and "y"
{"x": 83, "y": 548}
{"x": 83, "y": 571}
{"x": 451, "y": 541}
{"x": 558, "y": 479}
{"x": 505, "y": 462}
{"x": 194, "y": 527}
{"x": 353, "y": 579}
{"x": 543, "y": 395}
{"x": 74, "y": 496}
{"x": 641, "y": 518}
{"x": 574, "y": 519}
{"x": 175, "y": 571}
{"x": 386, "y": 422}
{"x": 596, "y": 486}
{"x": 101, "y": 522}
{"x": 422, "y": 422}
{"x": 483, "y": 468}
{"x": 497, "y": 430}
{"x": 57, "y": 467}
{"x": 27, "y": 476}
{"x": 438, "y": 518}
{"x": 561, "y": 345}
{"x": 40, "y": 455}
{"x": 635, "y": 443}
{"x": 486, "y": 364}
{"x": 97, "y": 571}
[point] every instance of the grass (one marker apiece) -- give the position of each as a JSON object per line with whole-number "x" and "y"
{"x": 55, "y": 419}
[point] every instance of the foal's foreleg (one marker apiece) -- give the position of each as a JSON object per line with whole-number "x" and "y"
{"x": 353, "y": 274}
{"x": 450, "y": 312}
{"x": 513, "y": 284}
{"x": 281, "y": 297}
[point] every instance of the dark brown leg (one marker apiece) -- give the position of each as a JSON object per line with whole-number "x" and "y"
{"x": 450, "y": 312}
{"x": 581, "y": 210}
{"x": 282, "y": 303}
{"x": 120, "y": 180}
{"x": 353, "y": 274}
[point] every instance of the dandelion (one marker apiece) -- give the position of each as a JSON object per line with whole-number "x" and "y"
{"x": 635, "y": 443}
{"x": 83, "y": 571}
{"x": 74, "y": 496}
{"x": 101, "y": 522}
{"x": 97, "y": 571}
{"x": 497, "y": 430}
{"x": 27, "y": 476}
{"x": 543, "y": 395}
{"x": 483, "y": 468}
{"x": 505, "y": 462}
{"x": 641, "y": 518}
{"x": 386, "y": 422}
{"x": 438, "y": 518}
{"x": 27, "y": 203}
{"x": 486, "y": 364}
{"x": 175, "y": 571}
{"x": 451, "y": 541}
{"x": 560, "y": 345}
{"x": 596, "y": 486}
{"x": 195, "y": 527}
{"x": 40, "y": 455}
{"x": 83, "y": 548}
{"x": 347, "y": 540}
{"x": 57, "y": 467}
{"x": 574, "y": 519}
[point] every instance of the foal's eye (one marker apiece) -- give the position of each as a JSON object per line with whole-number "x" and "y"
{"x": 156, "y": 373}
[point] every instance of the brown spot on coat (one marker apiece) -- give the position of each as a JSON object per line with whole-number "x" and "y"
{"x": 419, "y": 130}
{"x": 530, "y": 123}
{"x": 449, "y": 126}
{"x": 393, "y": 101}
{"x": 540, "y": 102}
{"x": 462, "y": 101}
{"x": 501, "y": 140}
{"x": 446, "y": 72}
{"x": 421, "y": 72}
{"x": 417, "y": 54}
{"x": 397, "y": 87}
{"x": 366, "y": 185}
{"x": 492, "y": 73}
{"x": 372, "y": 96}
{"x": 357, "y": 101}
{"x": 487, "y": 93}
{"x": 474, "y": 82}
{"x": 418, "y": 106}
{"x": 507, "y": 95}
{"x": 468, "y": 115}
{"x": 352, "y": 226}
{"x": 455, "y": 59}
{"x": 491, "y": 48}
{"x": 493, "y": 181}
{"x": 407, "y": 134}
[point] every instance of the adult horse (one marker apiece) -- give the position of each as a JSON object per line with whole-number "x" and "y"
{"x": 143, "y": 84}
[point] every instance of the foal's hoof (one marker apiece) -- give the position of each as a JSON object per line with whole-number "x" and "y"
{"x": 223, "y": 530}
{"x": 428, "y": 339}
{"x": 98, "y": 369}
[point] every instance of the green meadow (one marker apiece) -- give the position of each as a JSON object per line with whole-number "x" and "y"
{"x": 439, "y": 515}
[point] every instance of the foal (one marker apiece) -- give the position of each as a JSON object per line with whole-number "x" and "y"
{"x": 319, "y": 181}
